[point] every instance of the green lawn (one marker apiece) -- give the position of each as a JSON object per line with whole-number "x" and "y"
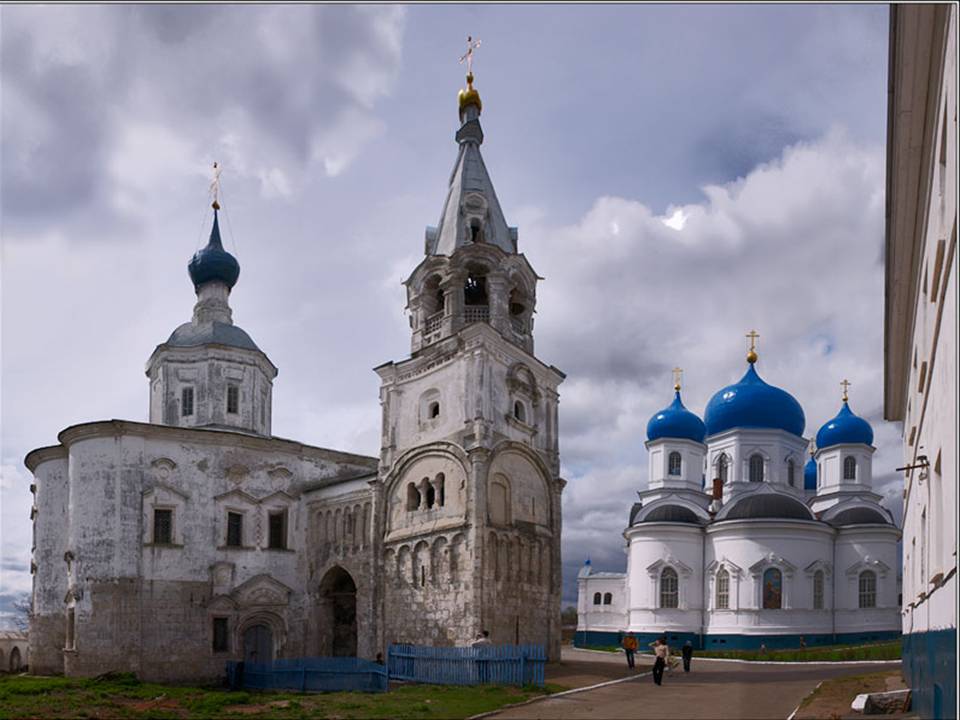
{"x": 878, "y": 651}
{"x": 125, "y": 697}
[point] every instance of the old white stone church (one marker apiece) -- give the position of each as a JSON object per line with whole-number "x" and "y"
{"x": 168, "y": 547}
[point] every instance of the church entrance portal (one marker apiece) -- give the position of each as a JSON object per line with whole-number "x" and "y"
{"x": 258, "y": 644}
{"x": 338, "y": 614}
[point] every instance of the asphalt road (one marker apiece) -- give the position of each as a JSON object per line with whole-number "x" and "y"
{"x": 713, "y": 689}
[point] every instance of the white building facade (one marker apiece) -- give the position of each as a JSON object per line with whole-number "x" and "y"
{"x": 169, "y": 547}
{"x": 771, "y": 550}
{"x": 920, "y": 354}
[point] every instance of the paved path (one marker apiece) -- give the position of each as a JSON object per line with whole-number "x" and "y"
{"x": 714, "y": 689}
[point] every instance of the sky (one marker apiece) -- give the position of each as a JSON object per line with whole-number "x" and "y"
{"x": 680, "y": 175}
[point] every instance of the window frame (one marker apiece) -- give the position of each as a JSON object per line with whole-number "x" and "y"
{"x": 866, "y": 597}
{"x": 598, "y": 598}
{"x": 154, "y": 535}
{"x": 850, "y": 468}
{"x": 671, "y": 457}
{"x": 669, "y": 597}
{"x": 227, "y": 539}
{"x": 755, "y": 468}
{"x": 282, "y": 535}
{"x": 608, "y": 598}
{"x": 233, "y": 399}
{"x": 722, "y": 595}
{"x": 224, "y": 623}
{"x": 187, "y": 409}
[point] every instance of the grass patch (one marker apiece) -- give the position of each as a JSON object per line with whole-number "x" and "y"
{"x": 878, "y": 651}
{"x": 833, "y": 698}
{"x": 601, "y": 648}
{"x": 126, "y": 697}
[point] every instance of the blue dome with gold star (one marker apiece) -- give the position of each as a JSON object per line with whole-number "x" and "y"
{"x": 752, "y": 403}
{"x": 676, "y": 421}
{"x": 213, "y": 263}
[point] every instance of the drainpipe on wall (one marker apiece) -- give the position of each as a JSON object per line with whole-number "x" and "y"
{"x": 833, "y": 595}
{"x": 704, "y": 592}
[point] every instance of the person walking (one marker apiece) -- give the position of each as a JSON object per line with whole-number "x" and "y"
{"x": 662, "y": 653}
{"x": 687, "y": 653}
{"x": 482, "y": 656}
{"x": 629, "y": 645}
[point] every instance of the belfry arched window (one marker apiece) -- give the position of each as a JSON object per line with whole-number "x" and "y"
{"x": 674, "y": 463}
{"x": 756, "y": 468}
{"x": 597, "y": 598}
{"x": 868, "y": 589}
{"x": 818, "y": 590}
{"x": 772, "y": 589}
{"x": 723, "y": 589}
{"x": 791, "y": 468}
{"x": 849, "y": 468}
{"x": 608, "y": 598}
{"x": 722, "y": 466}
{"x": 669, "y": 589}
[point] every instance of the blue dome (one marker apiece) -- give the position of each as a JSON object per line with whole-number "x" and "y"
{"x": 213, "y": 263}
{"x": 752, "y": 403}
{"x": 676, "y": 422}
{"x": 810, "y": 475}
{"x": 845, "y": 428}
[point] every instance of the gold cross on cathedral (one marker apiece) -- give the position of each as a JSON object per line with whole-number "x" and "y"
{"x": 845, "y": 384}
{"x": 752, "y": 354}
{"x": 677, "y": 375}
{"x": 468, "y": 55}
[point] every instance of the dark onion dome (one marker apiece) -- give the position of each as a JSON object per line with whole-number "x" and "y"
{"x": 213, "y": 263}
{"x": 859, "y": 516}
{"x": 752, "y": 403}
{"x": 768, "y": 505}
{"x": 676, "y": 421}
{"x": 672, "y": 513}
{"x": 845, "y": 429}
{"x": 216, "y": 333}
{"x": 810, "y": 475}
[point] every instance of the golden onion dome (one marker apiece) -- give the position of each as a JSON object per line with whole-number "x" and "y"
{"x": 469, "y": 96}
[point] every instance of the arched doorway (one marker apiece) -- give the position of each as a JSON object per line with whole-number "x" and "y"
{"x": 338, "y": 614}
{"x": 258, "y": 644}
{"x": 15, "y": 660}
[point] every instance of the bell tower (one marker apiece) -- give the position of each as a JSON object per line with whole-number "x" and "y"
{"x": 469, "y": 462}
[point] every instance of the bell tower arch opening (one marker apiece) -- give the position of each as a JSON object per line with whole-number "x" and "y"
{"x": 338, "y": 614}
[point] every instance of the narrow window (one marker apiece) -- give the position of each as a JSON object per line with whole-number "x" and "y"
{"x": 71, "y": 639}
{"x": 597, "y": 598}
{"x": 518, "y": 411}
{"x": 849, "y": 468}
{"x": 278, "y": 530}
{"x": 431, "y": 495}
{"x": 423, "y": 576}
{"x": 162, "y": 527}
{"x": 186, "y": 402}
{"x": 868, "y": 589}
{"x": 434, "y": 410}
{"x": 413, "y": 497}
{"x": 608, "y": 598}
{"x": 669, "y": 595}
{"x": 756, "y": 468}
{"x": 674, "y": 463}
{"x": 263, "y": 411}
{"x": 722, "y": 465}
{"x": 790, "y": 472}
{"x": 233, "y": 399}
{"x": 441, "y": 494}
{"x": 818, "y": 590}
{"x": 723, "y": 589}
{"x": 221, "y": 636}
{"x": 234, "y": 529}
{"x": 772, "y": 589}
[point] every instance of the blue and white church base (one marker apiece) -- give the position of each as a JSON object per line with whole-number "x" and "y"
{"x": 774, "y": 550}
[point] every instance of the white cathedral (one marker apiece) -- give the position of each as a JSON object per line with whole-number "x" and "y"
{"x": 771, "y": 550}
{"x": 168, "y": 547}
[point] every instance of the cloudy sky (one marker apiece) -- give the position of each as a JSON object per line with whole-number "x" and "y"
{"x": 679, "y": 175}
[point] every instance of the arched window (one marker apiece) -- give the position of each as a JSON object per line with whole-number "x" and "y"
{"x": 790, "y": 472}
{"x": 868, "y": 589}
{"x": 722, "y": 466}
{"x": 438, "y": 483}
{"x": 849, "y": 468}
{"x": 597, "y": 598}
{"x": 431, "y": 495}
{"x": 756, "y": 468}
{"x": 608, "y": 598}
{"x": 669, "y": 594}
{"x": 413, "y": 497}
{"x": 772, "y": 589}
{"x": 673, "y": 463}
{"x": 723, "y": 589}
{"x": 818, "y": 590}
{"x": 519, "y": 412}
{"x": 433, "y": 411}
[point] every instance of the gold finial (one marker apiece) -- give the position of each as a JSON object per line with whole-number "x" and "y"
{"x": 845, "y": 384}
{"x": 752, "y": 354}
{"x": 215, "y": 186}
{"x": 470, "y": 95}
{"x": 677, "y": 375}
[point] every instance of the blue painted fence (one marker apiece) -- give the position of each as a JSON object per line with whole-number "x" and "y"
{"x": 316, "y": 674}
{"x": 486, "y": 664}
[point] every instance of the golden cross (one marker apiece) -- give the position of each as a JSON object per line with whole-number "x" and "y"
{"x": 845, "y": 384}
{"x": 215, "y": 186}
{"x": 753, "y": 335}
{"x": 468, "y": 55}
{"x": 677, "y": 374}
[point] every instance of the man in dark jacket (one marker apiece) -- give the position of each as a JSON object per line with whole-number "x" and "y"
{"x": 687, "y": 652}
